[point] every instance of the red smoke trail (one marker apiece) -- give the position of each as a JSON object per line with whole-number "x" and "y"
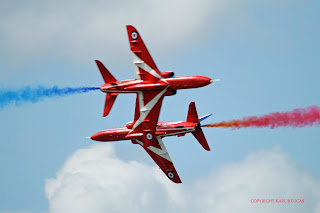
{"x": 296, "y": 118}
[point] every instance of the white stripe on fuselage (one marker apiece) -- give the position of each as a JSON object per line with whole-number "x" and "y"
{"x": 182, "y": 128}
{"x": 123, "y": 84}
{"x": 176, "y": 133}
{"x": 119, "y": 91}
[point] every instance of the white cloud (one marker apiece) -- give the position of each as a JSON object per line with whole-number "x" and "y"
{"x": 94, "y": 29}
{"x": 96, "y": 180}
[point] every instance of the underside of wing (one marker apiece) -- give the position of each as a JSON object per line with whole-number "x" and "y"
{"x": 160, "y": 155}
{"x": 148, "y": 105}
{"x": 144, "y": 66}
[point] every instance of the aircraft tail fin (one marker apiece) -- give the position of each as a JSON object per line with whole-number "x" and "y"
{"x": 106, "y": 75}
{"x": 198, "y": 134}
{"x": 192, "y": 113}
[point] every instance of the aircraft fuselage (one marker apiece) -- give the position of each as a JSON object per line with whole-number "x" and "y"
{"x": 173, "y": 83}
{"x": 163, "y": 129}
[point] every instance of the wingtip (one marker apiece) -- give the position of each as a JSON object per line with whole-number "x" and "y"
{"x": 178, "y": 181}
{"x": 105, "y": 112}
{"x": 130, "y": 27}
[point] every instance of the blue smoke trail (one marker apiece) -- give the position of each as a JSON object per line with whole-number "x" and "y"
{"x": 33, "y": 95}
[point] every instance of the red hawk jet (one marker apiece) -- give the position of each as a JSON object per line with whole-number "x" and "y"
{"x": 152, "y": 142}
{"x": 150, "y": 84}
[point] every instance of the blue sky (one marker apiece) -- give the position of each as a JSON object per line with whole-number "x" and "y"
{"x": 265, "y": 53}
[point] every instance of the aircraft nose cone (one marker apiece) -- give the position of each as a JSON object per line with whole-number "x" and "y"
{"x": 200, "y": 81}
{"x": 206, "y": 80}
{"x": 97, "y": 136}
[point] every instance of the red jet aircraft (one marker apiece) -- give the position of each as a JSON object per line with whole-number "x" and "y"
{"x": 152, "y": 143}
{"x": 150, "y": 84}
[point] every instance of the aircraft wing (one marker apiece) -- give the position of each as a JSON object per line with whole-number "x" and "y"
{"x": 148, "y": 105}
{"x": 144, "y": 66}
{"x": 160, "y": 155}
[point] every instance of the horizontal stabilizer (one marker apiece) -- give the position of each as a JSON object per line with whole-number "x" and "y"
{"x": 201, "y": 138}
{"x": 106, "y": 75}
{"x": 110, "y": 98}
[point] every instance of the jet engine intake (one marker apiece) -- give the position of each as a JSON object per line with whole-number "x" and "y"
{"x": 129, "y": 125}
{"x": 170, "y": 92}
{"x": 167, "y": 74}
